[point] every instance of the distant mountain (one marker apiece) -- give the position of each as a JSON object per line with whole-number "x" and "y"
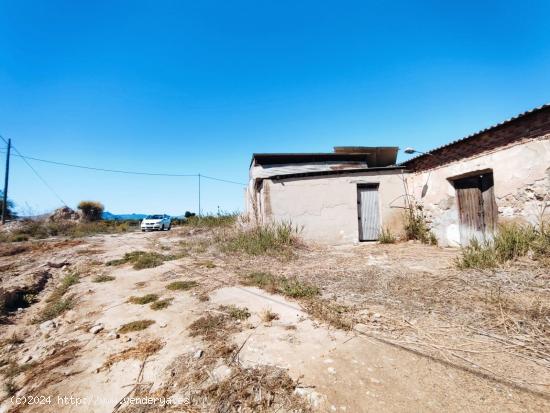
{"x": 107, "y": 216}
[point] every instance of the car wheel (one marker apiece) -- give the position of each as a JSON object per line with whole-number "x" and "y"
{"x": 142, "y": 230}
{"x": 162, "y": 227}
{"x": 169, "y": 227}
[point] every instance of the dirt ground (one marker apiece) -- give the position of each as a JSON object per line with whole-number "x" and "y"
{"x": 416, "y": 333}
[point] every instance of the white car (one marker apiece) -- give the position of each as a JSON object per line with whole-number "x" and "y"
{"x": 158, "y": 222}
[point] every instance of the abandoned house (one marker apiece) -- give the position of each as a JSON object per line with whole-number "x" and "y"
{"x": 464, "y": 188}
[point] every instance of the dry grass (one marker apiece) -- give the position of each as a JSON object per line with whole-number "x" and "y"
{"x": 268, "y": 316}
{"x": 135, "y": 326}
{"x": 279, "y": 240}
{"x": 145, "y": 299}
{"x": 42, "y": 229}
{"x": 143, "y": 259}
{"x": 386, "y": 237}
{"x": 161, "y": 304}
{"x": 103, "y": 278}
{"x": 139, "y": 352}
{"x": 181, "y": 285}
{"x": 510, "y": 243}
{"x": 237, "y": 313}
{"x": 290, "y": 287}
{"x": 57, "y": 302}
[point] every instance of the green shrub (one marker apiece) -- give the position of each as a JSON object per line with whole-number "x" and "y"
{"x": 511, "y": 241}
{"x": 135, "y": 326}
{"x": 91, "y": 210}
{"x": 386, "y": 237}
{"x": 272, "y": 239}
{"x": 416, "y": 227}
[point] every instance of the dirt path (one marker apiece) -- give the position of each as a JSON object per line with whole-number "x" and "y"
{"x": 335, "y": 370}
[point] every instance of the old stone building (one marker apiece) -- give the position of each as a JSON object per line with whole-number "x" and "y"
{"x": 464, "y": 188}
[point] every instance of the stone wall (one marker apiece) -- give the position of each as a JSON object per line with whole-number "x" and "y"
{"x": 521, "y": 173}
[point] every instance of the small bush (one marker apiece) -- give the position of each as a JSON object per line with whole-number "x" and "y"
{"x": 273, "y": 239}
{"x": 268, "y": 316}
{"x": 146, "y": 299}
{"x": 103, "y": 278}
{"x": 181, "y": 285}
{"x": 477, "y": 255}
{"x": 291, "y": 287}
{"x": 512, "y": 241}
{"x": 416, "y": 227}
{"x": 91, "y": 210}
{"x": 135, "y": 326}
{"x": 386, "y": 237}
{"x": 161, "y": 304}
{"x": 237, "y": 313}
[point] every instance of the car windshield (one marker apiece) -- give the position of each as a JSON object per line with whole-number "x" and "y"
{"x": 153, "y": 217}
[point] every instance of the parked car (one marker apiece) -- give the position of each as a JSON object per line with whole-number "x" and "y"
{"x": 158, "y": 222}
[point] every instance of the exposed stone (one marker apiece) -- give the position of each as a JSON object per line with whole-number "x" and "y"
{"x": 222, "y": 372}
{"x": 96, "y": 329}
{"x": 47, "y": 326}
{"x": 64, "y": 214}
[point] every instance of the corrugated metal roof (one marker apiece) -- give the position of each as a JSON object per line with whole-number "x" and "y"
{"x": 478, "y": 133}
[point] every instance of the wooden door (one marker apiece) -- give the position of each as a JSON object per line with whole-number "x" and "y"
{"x": 476, "y": 207}
{"x": 368, "y": 212}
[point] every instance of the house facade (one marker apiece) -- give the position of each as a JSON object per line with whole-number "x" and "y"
{"x": 464, "y": 188}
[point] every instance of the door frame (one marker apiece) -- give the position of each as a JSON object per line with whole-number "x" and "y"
{"x": 364, "y": 185}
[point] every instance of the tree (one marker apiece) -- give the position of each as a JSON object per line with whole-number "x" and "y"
{"x": 189, "y": 214}
{"x": 10, "y": 213}
{"x": 91, "y": 210}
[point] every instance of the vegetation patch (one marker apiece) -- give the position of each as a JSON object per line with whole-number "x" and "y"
{"x": 511, "y": 242}
{"x": 236, "y": 313}
{"x": 140, "y": 352}
{"x": 41, "y": 229}
{"x": 161, "y": 304}
{"x": 181, "y": 285}
{"x": 211, "y": 221}
{"x": 145, "y": 299}
{"x": 142, "y": 259}
{"x": 57, "y": 303}
{"x": 135, "y": 326}
{"x": 416, "y": 227}
{"x": 103, "y": 278}
{"x": 290, "y": 287}
{"x": 386, "y": 237}
{"x": 280, "y": 239}
{"x": 268, "y": 316}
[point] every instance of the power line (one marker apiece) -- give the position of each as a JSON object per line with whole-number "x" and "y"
{"x": 39, "y": 176}
{"x": 121, "y": 171}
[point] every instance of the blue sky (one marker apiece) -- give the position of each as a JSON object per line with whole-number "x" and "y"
{"x": 198, "y": 86}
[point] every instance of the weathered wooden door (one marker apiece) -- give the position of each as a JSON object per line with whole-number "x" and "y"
{"x": 476, "y": 207}
{"x": 368, "y": 212}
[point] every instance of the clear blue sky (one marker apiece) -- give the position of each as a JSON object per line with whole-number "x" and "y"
{"x": 198, "y": 86}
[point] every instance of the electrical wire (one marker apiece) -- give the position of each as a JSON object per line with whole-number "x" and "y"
{"x": 121, "y": 171}
{"x": 39, "y": 176}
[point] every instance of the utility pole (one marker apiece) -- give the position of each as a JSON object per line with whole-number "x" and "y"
{"x": 200, "y": 195}
{"x": 5, "y": 203}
